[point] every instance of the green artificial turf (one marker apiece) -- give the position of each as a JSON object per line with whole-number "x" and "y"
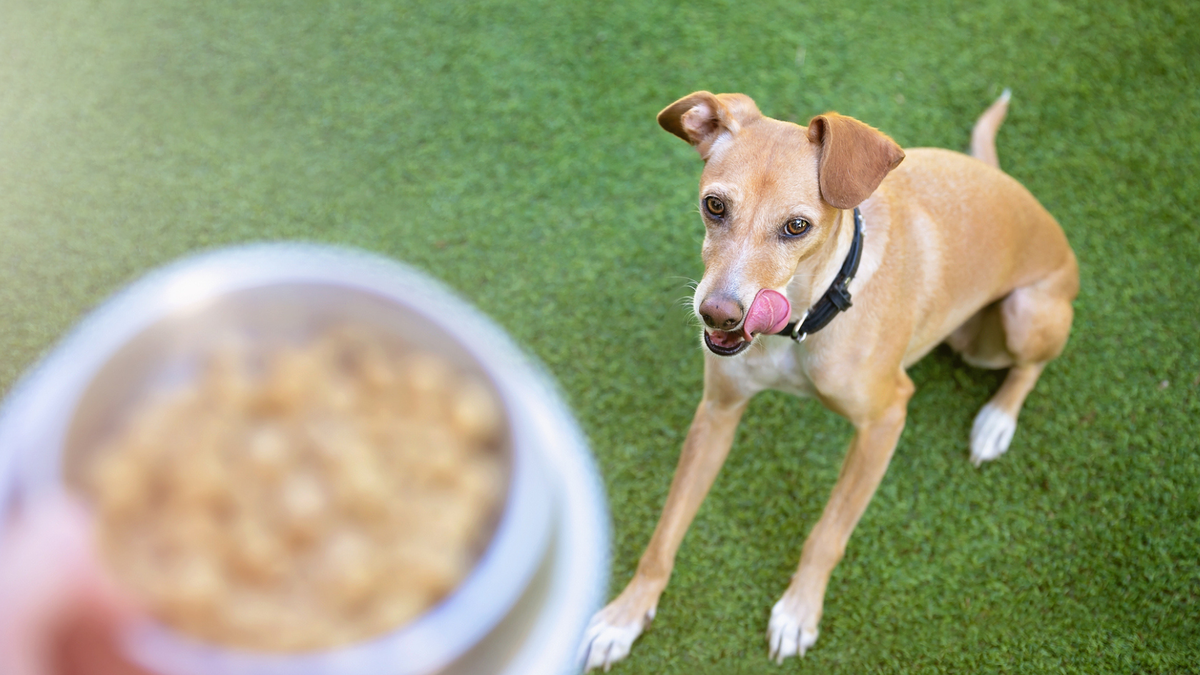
{"x": 510, "y": 149}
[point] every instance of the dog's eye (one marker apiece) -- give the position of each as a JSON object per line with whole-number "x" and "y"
{"x": 714, "y": 206}
{"x": 796, "y": 227}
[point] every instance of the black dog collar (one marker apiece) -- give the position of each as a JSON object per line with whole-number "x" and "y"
{"x": 837, "y": 298}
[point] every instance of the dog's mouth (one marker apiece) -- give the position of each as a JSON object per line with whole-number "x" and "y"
{"x": 727, "y": 342}
{"x": 768, "y": 314}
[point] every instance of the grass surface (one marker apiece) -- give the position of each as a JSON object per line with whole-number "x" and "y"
{"x": 511, "y": 150}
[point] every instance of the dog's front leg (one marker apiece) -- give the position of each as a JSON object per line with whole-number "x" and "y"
{"x": 614, "y": 628}
{"x": 878, "y": 423}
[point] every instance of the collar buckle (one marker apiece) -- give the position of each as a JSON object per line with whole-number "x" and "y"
{"x": 839, "y": 295}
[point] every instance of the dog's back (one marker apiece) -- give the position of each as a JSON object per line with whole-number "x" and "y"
{"x": 953, "y": 206}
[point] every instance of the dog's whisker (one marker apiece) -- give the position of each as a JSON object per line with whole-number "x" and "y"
{"x": 688, "y": 282}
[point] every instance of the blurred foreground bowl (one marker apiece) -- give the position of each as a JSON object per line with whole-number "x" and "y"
{"x": 525, "y": 604}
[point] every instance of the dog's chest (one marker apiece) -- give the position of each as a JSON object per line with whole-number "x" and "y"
{"x": 777, "y": 365}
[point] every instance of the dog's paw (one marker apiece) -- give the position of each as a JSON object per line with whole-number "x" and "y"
{"x": 992, "y": 432}
{"x": 604, "y": 644}
{"x": 788, "y": 634}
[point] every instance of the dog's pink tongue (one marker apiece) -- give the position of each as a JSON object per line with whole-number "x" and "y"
{"x": 768, "y": 313}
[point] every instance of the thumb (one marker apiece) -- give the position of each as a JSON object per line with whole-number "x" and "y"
{"x": 59, "y": 603}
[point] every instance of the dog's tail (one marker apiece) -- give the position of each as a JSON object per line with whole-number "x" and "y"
{"x": 983, "y": 136}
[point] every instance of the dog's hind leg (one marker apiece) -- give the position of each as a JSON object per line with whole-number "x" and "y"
{"x": 980, "y": 340}
{"x": 1036, "y": 321}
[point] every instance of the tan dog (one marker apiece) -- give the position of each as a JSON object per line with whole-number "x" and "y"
{"x": 952, "y": 250}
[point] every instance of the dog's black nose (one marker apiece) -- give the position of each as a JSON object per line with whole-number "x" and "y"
{"x": 721, "y": 312}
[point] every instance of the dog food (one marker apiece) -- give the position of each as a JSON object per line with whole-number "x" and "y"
{"x": 302, "y": 497}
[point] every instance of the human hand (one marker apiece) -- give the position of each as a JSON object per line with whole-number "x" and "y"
{"x": 60, "y": 613}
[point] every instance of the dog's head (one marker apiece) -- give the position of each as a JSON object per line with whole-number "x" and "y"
{"x": 771, "y": 196}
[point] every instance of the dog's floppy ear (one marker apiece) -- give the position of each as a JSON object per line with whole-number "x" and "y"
{"x": 702, "y": 117}
{"x": 854, "y": 158}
